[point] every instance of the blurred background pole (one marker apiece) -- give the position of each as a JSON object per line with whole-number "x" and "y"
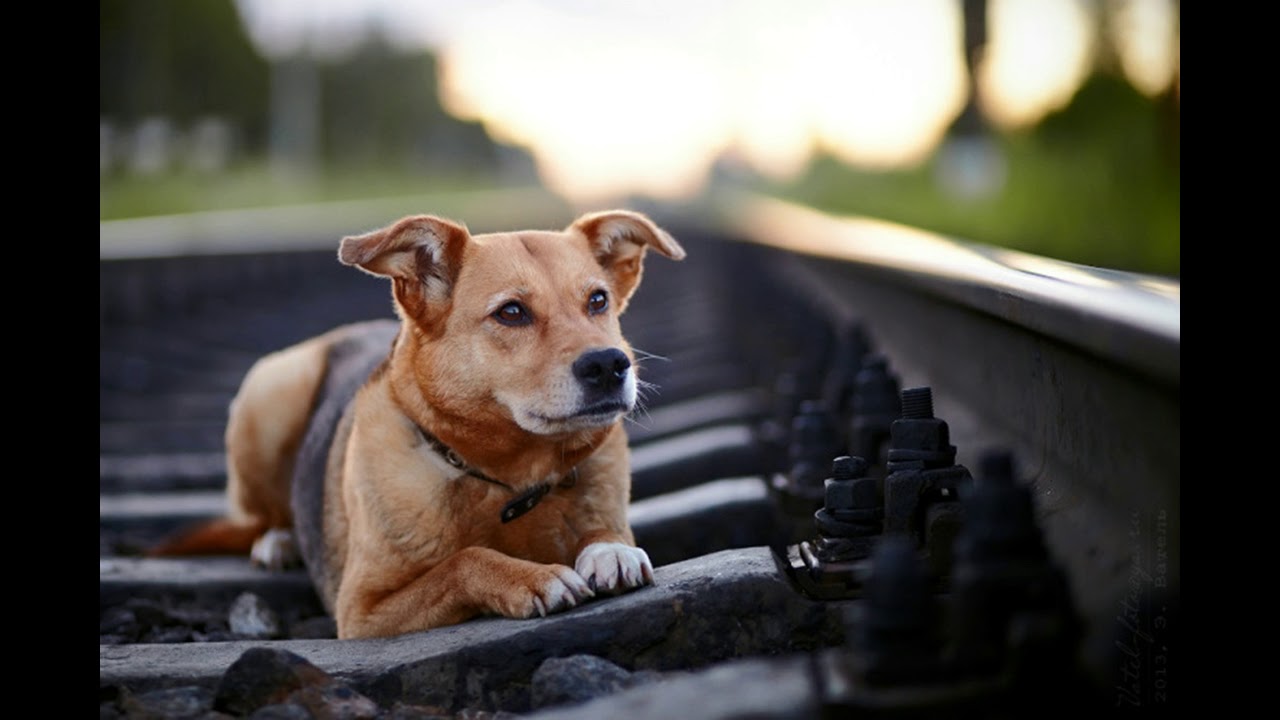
{"x": 970, "y": 121}
{"x": 295, "y": 112}
{"x": 970, "y": 166}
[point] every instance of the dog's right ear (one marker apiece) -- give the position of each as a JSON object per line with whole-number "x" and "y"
{"x": 420, "y": 253}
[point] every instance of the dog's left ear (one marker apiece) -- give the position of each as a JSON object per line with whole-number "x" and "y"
{"x": 619, "y": 238}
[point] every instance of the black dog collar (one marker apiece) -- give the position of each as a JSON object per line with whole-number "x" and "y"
{"x": 522, "y": 503}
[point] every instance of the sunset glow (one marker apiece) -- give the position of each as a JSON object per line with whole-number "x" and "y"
{"x": 1037, "y": 54}
{"x": 1146, "y": 35}
{"x": 615, "y": 98}
{"x": 607, "y": 111}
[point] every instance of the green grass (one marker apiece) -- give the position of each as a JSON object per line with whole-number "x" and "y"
{"x": 254, "y": 185}
{"x": 1071, "y": 207}
{"x": 1098, "y": 184}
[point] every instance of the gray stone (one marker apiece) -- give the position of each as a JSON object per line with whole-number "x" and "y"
{"x": 198, "y": 618}
{"x": 216, "y": 636}
{"x": 148, "y": 613}
{"x": 167, "y": 704}
{"x": 282, "y": 711}
{"x": 150, "y": 620}
{"x": 335, "y": 702}
{"x": 315, "y": 628}
{"x": 574, "y": 679}
{"x": 473, "y": 714}
{"x": 120, "y": 622}
{"x": 403, "y": 711}
{"x": 169, "y": 635}
{"x": 782, "y": 688}
{"x": 253, "y": 618}
{"x": 265, "y": 676}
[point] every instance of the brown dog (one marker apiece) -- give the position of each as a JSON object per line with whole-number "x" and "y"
{"x": 469, "y": 459}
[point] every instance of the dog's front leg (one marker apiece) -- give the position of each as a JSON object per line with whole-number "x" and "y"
{"x": 606, "y": 553}
{"x": 471, "y": 582}
{"x": 612, "y": 565}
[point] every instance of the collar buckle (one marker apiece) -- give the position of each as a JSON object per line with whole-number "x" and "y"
{"x": 524, "y": 502}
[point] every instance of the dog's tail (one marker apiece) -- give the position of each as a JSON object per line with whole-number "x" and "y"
{"x": 219, "y": 536}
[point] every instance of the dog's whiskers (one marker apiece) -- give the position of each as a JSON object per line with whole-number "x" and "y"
{"x": 643, "y": 389}
{"x": 645, "y": 355}
{"x": 631, "y": 417}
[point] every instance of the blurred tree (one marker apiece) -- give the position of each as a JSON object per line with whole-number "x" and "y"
{"x": 374, "y": 108}
{"x": 1117, "y": 160}
{"x": 1107, "y": 61}
{"x": 184, "y": 60}
{"x": 381, "y": 108}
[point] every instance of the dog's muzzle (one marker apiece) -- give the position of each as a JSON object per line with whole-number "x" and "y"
{"x": 603, "y": 375}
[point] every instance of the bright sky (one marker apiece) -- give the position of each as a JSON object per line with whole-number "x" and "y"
{"x": 616, "y": 97}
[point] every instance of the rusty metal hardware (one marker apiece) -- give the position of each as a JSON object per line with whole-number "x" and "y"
{"x": 923, "y": 485}
{"x": 1009, "y": 598}
{"x": 875, "y": 405}
{"x": 815, "y": 439}
{"x": 1004, "y": 639}
{"x": 832, "y": 565}
{"x": 895, "y": 632}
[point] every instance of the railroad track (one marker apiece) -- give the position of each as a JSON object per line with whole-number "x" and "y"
{"x": 785, "y": 340}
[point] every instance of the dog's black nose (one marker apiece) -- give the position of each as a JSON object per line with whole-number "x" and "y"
{"x": 602, "y": 369}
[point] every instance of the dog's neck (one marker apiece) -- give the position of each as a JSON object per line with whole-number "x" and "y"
{"x": 494, "y": 447}
{"x": 521, "y": 502}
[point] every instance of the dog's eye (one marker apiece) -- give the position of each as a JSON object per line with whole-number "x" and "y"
{"x": 598, "y": 302}
{"x": 513, "y": 313}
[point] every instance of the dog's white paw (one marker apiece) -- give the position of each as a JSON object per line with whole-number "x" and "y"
{"x": 614, "y": 567}
{"x": 275, "y": 550}
{"x": 558, "y": 589}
